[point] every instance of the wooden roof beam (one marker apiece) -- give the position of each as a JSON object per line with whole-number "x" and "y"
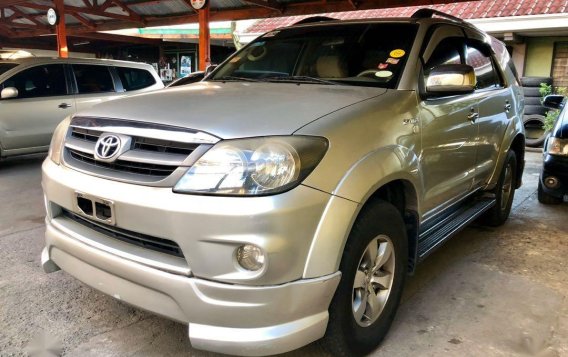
{"x": 90, "y": 11}
{"x": 269, "y": 4}
{"x": 90, "y": 24}
{"x": 21, "y": 14}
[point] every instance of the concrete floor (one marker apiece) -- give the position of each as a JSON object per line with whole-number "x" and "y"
{"x": 487, "y": 292}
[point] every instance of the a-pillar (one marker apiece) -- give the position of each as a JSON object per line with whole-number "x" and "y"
{"x": 62, "y": 49}
{"x": 204, "y": 38}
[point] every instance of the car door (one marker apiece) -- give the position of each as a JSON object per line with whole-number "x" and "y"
{"x": 94, "y": 84}
{"x": 28, "y": 120}
{"x": 495, "y": 101}
{"x": 447, "y": 158}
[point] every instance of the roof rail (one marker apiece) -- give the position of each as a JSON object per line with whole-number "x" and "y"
{"x": 426, "y": 13}
{"x": 309, "y": 20}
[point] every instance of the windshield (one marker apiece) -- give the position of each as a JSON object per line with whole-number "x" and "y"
{"x": 4, "y": 67}
{"x": 352, "y": 54}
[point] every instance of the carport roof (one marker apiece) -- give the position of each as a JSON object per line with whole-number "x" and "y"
{"x": 26, "y": 18}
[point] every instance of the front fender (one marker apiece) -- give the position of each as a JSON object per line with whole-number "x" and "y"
{"x": 364, "y": 178}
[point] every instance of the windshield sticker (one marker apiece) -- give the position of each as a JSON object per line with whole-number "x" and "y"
{"x": 383, "y": 74}
{"x": 397, "y": 53}
{"x": 383, "y": 66}
{"x": 391, "y": 60}
{"x": 271, "y": 34}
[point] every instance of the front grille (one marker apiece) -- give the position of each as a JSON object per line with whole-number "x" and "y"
{"x": 157, "y": 155}
{"x": 159, "y": 171}
{"x": 142, "y": 240}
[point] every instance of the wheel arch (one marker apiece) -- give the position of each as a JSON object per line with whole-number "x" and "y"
{"x": 330, "y": 239}
{"x": 518, "y": 146}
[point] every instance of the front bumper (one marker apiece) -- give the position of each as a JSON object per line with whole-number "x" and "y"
{"x": 556, "y": 166}
{"x": 228, "y": 310}
{"x": 222, "y": 318}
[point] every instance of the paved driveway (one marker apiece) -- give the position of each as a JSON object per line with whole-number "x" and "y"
{"x": 487, "y": 292}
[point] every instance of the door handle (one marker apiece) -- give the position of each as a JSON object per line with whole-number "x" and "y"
{"x": 64, "y": 105}
{"x": 473, "y": 116}
{"x": 507, "y": 106}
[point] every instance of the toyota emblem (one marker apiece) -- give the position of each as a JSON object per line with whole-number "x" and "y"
{"x": 107, "y": 146}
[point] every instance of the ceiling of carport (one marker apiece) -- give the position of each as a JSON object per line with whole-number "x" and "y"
{"x": 27, "y": 18}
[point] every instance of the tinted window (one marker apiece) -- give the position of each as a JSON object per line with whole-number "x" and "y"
{"x": 93, "y": 79}
{"x": 134, "y": 78}
{"x": 354, "y": 54}
{"x": 485, "y": 72}
{"x": 40, "y": 81}
{"x": 448, "y": 51}
{"x": 4, "y": 67}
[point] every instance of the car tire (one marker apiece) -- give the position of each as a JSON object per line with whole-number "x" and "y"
{"x": 530, "y": 92}
{"x": 547, "y": 199}
{"x": 534, "y": 130}
{"x": 533, "y": 101}
{"x": 356, "y": 328}
{"x": 535, "y": 81}
{"x": 504, "y": 193}
{"x": 535, "y": 109}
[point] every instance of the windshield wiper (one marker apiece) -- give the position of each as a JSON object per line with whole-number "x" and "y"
{"x": 234, "y": 78}
{"x": 299, "y": 79}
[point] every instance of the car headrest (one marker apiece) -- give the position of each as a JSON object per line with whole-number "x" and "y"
{"x": 331, "y": 67}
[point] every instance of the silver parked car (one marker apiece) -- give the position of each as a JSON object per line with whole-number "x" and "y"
{"x": 38, "y": 93}
{"x": 285, "y": 198}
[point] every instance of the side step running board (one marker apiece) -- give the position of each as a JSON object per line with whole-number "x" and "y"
{"x": 432, "y": 238}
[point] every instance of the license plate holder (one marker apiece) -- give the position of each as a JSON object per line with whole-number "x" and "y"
{"x": 95, "y": 208}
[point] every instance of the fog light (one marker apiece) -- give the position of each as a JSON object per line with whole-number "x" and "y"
{"x": 551, "y": 182}
{"x": 250, "y": 257}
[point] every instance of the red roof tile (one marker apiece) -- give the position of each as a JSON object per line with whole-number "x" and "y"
{"x": 465, "y": 10}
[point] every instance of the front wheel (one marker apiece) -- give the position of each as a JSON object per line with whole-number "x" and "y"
{"x": 373, "y": 269}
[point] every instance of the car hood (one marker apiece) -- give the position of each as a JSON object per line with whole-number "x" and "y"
{"x": 236, "y": 109}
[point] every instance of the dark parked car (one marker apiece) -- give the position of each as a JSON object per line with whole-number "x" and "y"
{"x": 553, "y": 184}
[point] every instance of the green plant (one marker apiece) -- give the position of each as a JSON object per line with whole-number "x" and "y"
{"x": 550, "y": 119}
{"x": 551, "y": 115}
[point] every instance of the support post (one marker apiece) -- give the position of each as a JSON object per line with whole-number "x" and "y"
{"x": 204, "y": 38}
{"x": 62, "y": 49}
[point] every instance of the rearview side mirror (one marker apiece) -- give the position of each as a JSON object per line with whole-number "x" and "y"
{"x": 450, "y": 79}
{"x": 553, "y": 101}
{"x": 9, "y": 92}
{"x": 210, "y": 69}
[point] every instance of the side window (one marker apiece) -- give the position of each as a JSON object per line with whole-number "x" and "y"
{"x": 448, "y": 51}
{"x": 485, "y": 73}
{"x": 135, "y": 78}
{"x": 93, "y": 79}
{"x": 39, "y": 81}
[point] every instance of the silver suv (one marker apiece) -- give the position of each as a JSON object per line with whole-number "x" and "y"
{"x": 286, "y": 197}
{"x": 38, "y": 93}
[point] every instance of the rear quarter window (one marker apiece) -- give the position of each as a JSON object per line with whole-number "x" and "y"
{"x": 135, "y": 78}
{"x": 93, "y": 79}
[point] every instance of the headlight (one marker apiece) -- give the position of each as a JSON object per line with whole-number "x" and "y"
{"x": 557, "y": 146}
{"x": 57, "y": 140}
{"x": 249, "y": 167}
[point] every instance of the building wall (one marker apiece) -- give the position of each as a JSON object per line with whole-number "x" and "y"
{"x": 540, "y": 52}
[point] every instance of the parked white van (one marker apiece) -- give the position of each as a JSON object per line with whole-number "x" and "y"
{"x": 38, "y": 93}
